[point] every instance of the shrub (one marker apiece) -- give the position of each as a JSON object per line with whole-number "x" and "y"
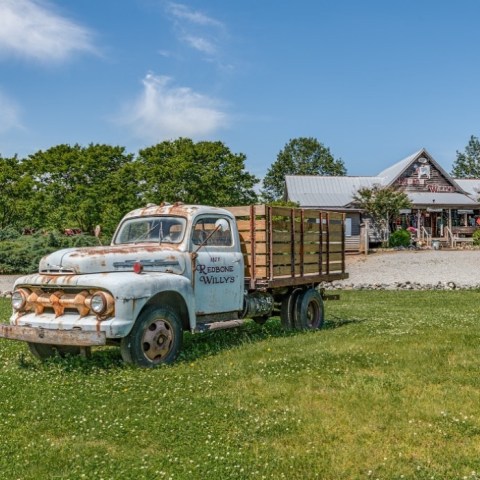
{"x": 476, "y": 237}
{"x": 9, "y": 233}
{"x": 400, "y": 238}
{"x": 22, "y": 254}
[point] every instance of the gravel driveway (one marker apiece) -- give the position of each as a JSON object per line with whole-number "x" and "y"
{"x": 6, "y": 282}
{"x": 425, "y": 267}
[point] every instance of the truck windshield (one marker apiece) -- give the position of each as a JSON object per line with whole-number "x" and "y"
{"x": 151, "y": 230}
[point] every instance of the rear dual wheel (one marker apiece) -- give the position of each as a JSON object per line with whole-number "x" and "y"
{"x": 302, "y": 310}
{"x": 287, "y": 310}
{"x": 309, "y": 310}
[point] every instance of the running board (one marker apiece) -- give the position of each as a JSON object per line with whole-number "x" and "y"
{"x": 207, "y": 327}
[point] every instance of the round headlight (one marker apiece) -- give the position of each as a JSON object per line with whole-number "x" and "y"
{"x": 98, "y": 303}
{"x": 19, "y": 299}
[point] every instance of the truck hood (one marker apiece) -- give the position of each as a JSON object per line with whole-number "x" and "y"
{"x": 113, "y": 259}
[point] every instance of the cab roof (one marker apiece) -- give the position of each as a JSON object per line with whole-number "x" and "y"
{"x": 179, "y": 209}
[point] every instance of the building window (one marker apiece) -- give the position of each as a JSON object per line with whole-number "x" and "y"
{"x": 348, "y": 227}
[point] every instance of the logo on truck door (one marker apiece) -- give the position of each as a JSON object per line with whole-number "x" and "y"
{"x": 215, "y": 274}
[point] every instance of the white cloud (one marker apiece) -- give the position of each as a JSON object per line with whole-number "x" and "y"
{"x": 201, "y": 44}
{"x": 182, "y": 12}
{"x": 197, "y": 30}
{"x": 30, "y": 28}
{"x": 164, "y": 112}
{"x": 9, "y": 114}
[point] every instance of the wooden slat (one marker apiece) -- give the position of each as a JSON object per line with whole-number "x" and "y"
{"x": 281, "y": 225}
{"x": 261, "y": 236}
{"x": 312, "y": 214}
{"x": 311, "y": 227}
{"x": 335, "y": 257}
{"x": 279, "y": 248}
{"x": 281, "y": 237}
{"x": 244, "y": 225}
{"x": 335, "y": 248}
{"x": 260, "y": 247}
{"x": 336, "y": 228}
{"x": 244, "y": 211}
{"x": 281, "y": 211}
{"x": 261, "y": 260}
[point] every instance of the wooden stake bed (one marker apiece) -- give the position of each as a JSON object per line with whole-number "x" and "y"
{"x": 290, "y": 246}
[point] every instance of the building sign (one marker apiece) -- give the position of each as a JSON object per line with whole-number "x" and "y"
{"x": 411, "y": 181}
{"x": 435, "y": 188}
{"x": 423, "y": 171}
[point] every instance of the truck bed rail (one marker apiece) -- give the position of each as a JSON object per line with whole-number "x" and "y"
{"x": 285, "y": 246}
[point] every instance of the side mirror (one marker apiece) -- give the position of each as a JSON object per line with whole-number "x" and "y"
{"x": 222, "y": 225}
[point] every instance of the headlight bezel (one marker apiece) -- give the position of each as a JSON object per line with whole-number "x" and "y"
{"x": 21, "y": 294}
{"x": 100, "y": 308}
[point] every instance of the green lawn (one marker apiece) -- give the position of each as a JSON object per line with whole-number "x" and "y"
{"x": 390, "y": 389}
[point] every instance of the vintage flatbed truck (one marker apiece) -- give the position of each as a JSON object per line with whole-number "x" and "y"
{"x": 174, "y": 268}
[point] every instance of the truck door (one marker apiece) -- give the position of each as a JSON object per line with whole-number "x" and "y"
{"x": 218, "y": 272}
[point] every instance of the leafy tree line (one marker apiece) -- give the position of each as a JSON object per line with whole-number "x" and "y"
{"x": 81, "y": 187}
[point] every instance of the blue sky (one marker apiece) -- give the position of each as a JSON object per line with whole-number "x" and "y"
{"x": 373, "y": 80}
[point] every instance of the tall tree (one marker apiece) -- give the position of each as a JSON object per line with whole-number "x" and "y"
{"x": 14, "y": 190}
{"x": 73, "y": 185}
{"x": 467, "y": 164}
{"x": 383, "y": 205}
{"x": 300, "y": 156}
{"x": 204, "y": 173}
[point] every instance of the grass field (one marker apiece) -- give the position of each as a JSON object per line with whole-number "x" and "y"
{"x": 390, "y": 389}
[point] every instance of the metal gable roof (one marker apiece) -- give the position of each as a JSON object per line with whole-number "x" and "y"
{"x": 390, "y": 174}
{"x": 331, "y": 191}
{"x": 470, "y": 185}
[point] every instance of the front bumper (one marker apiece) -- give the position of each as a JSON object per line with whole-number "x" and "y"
{"x": 52, "y": 337}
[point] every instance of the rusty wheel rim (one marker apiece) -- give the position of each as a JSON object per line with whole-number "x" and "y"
{"x": 157, "y": 340}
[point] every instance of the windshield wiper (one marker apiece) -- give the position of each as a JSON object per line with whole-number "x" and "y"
{"x": 143, "y": 235}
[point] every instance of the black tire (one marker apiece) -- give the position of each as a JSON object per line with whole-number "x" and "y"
{"x": 287, "y": 310}
{"x": 42, "y": 351}
{"x": 309, "y": 312}
{"x": 156, "y": 338}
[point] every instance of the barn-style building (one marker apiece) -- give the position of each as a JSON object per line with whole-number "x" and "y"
{"x": 444, "y": 210}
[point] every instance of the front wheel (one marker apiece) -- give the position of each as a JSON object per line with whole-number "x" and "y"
{"x": 309, "y": 314}
{"x": 156, "y": 338}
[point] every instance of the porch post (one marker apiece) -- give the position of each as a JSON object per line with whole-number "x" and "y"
{"x": 419, "y": 230}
